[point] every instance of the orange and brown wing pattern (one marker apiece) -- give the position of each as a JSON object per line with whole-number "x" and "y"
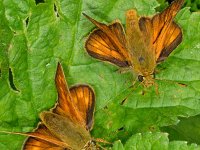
{"x": 77, "y": 103}
{"x": 36, "y": 144}
{"x": 42, "y": 139}
{"x": 65, "y": 106}
{"x": 108, "y": 43}
{"x": 175, "y": 38}
{"x": 166, "y": 35}
{"x": 84, "y": 99}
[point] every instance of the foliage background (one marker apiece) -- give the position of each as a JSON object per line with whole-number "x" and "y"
{"x": 193, "y": 4}
{"x": 35, "y": 36}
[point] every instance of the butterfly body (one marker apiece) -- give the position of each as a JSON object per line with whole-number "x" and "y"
{"x": 146, "y": 41}
{"x": 138, "y": 45}
{"x": 66, "y": 130}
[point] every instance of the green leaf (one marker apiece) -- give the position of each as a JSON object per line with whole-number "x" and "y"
{"x": 187, "y": 129}
{"x": 194, "y": 5}
{"x": 35, "y": 37}
{"x": 163, "y": 5}
{"x": 153, "y": 141}
{"x": 118, "y": 145}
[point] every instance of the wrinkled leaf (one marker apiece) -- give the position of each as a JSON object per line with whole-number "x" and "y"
{"x": 154, "y": 141}
{"x": 187, "y": 129}
{"x": 194, "y": 5}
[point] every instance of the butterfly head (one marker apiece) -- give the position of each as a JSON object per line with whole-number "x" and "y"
{"x": 91, "y": 145}
{"x": 147, "y": 81}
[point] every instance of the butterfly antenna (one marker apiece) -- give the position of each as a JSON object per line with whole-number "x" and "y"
{"x": 101, "y": 141}
{"x": 156, "y": 88}
{"x": 15, "y": 133}
{"x": 172, "y": 82}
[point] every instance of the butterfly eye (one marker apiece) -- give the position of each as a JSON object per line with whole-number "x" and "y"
{"x": 93, "y": 142}
{"x": 140, "y": 78}
{"x": 90, "y": 144}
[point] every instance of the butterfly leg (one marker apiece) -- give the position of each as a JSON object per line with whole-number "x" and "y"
{"x": 156, "y": 89}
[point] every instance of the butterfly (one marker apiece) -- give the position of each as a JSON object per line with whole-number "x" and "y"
{"x": 68, "y": 124}
{"x": 146, "y": 42}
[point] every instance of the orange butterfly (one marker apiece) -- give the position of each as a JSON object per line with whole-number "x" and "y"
{"x": 67, "y": 125}
{"x": 146, "y": 41}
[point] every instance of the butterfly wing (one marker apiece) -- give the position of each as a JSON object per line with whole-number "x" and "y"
{"x": 164, "y": 33}
{"x": 42, "y": 139}
{"x": 77, "y": 103}
{"x": 108, "y": 43}
{"x": 65, "y": 106}
{"x": 35, "y": 144}
{"x": 84, "y": 99}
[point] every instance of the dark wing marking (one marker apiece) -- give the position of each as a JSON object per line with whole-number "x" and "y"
{"x": 108, "y": 43}
{"x": 84, "y": 99}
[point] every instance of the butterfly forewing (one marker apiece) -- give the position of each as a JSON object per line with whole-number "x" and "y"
{"x": 175, "y": 38}
{"x": 65, "y": 104}
{"x": 99, "y": 46}
{"x": 108, "y": 43}
{"x": 166, "y": 34}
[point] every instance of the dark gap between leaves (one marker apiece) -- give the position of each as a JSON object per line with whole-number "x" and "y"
{"x": 56, "y": 10}
{"x": 27, "y": 21}
{"x": 106, "y": 107}
{"x": 182, "y": 84}
{"x": 39, "y": 1}
{"x": 123, "y": 101}
{"x": 143, "y": 92}
{"x": 0, "y": 72}
{"x": 152, "y": 128}
{"x": 170, "y": 1}
{"x": 120, "y": 129}
{"x": 12, "y": 85}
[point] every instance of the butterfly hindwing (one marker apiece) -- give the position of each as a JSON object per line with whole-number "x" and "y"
{"x": 43, "y": 140}
{"x": 84, "y": 99}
